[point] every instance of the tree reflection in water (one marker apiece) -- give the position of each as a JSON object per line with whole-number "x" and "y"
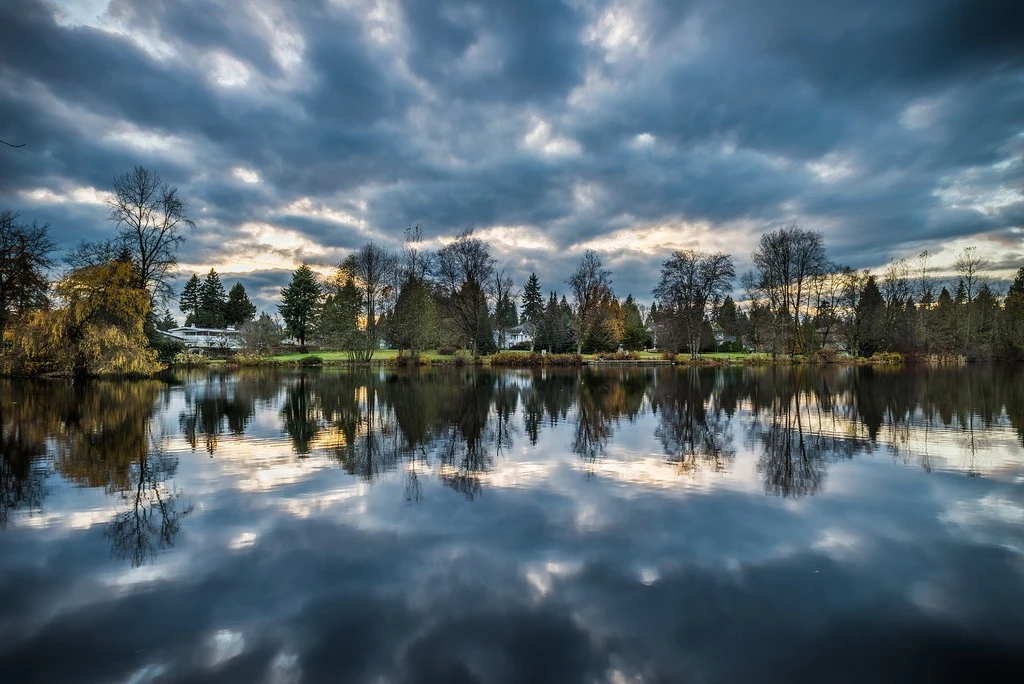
{"x": 695, "y": 420}
{"x": 457, "y": 424}
{"x": 97, "y": 434}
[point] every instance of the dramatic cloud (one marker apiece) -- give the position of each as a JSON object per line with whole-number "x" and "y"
{"x": 301, "y": 130}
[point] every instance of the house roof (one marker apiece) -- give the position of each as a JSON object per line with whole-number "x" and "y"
{"x": 206, "y": 331}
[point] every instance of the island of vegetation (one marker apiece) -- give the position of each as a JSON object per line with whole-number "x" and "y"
{"x": 105, "y": 312}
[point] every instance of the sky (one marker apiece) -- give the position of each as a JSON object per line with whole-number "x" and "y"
{"x": 301, "y": 130}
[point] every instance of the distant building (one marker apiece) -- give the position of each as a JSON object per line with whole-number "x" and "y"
{"x": 519, "y": 334}
{"x": 205, "y": 338}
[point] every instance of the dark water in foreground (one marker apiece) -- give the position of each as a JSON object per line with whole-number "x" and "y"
{"x": 660, "y": 525}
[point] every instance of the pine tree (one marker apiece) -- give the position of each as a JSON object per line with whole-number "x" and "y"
{"x": 189, "y": 302}
{"x": 238, "y": 310}
{"x": 533, "y": 304}
{"x": 634, "y": 335}
{"x": 870, "y": 319}
{"x": 212, "y": 301}
{"x": 300, "y": 303}
{"x": 1018, "y": 283}
{"x": 167, "y": 321}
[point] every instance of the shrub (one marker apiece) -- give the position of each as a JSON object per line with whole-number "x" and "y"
{"x": 887, "y": 358}
{"x": 446, "y": 351}
{"x": 190, "y": 358}
{"x": 620, "y": 356}
{"x": 824, "y": 356}
{"x": 563, "y": 360}
{"x": 520, "y": 346}
{"x": 404, "y": 360}
{"x": 668, "y": 355}
{"x": 517, "y": 359}
{"x": 249, "y": 359}
{"x": 313, "y": 360}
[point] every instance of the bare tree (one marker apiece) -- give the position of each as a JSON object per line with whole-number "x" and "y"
{"x": 589, "y": 284}
{"x": 416, "y": 262}
{"x": 150, "y": 216}
{"x": 971, "y": 269}
{"x": 692, "y": 284}
{"x": 785, "y": 263}
{"x": 835, "y": 296}
{"x": 504, "y": 303}
{"x": 896, "y": 287}
{"x": 464, "y": 270}
{"x": 926, "y": 281}
{"x": 373, "y": 269}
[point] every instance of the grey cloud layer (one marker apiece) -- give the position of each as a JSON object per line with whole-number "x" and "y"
{"x": 886, "y": 125}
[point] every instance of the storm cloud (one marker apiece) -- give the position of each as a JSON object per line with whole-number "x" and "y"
{"x": 301, "y": 130}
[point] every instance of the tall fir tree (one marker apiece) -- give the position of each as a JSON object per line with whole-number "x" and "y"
{"x": 189, "y": 301}
{"x": 533, "y": 305}
{"x": 301, "y": 303}
{"x": 1018, "y": 283}
{"x": 212, "y": 301}
{"x": 238, "y": 310}
{"x": 870, "y": 315}
{"x": 634, "y": 334}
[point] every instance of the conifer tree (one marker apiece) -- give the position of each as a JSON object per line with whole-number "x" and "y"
{"x": 300, "y": 304}
{"x": 239, "y": 309}
{"x": 533, "y": 305}
{"x": 212, "y": 301}
{"x": 189, "y": 301}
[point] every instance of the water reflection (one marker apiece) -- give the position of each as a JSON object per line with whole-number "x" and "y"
{"x": 457, "y": 425}
{"x": 468, "y": 525}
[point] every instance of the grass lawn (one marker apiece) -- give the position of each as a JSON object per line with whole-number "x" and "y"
{"x": 386, "y": 355}
{"x": 336, "y": 356}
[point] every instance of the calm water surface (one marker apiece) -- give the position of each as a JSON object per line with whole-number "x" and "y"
{"x": 654, "y": 525}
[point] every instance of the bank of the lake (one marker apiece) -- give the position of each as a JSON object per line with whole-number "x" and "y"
{"x": 519, "y": 359}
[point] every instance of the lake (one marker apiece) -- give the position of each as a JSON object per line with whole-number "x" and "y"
{"x": 463, "y": 525}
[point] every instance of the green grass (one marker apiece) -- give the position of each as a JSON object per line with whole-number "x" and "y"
{"x": 389, "y": 355}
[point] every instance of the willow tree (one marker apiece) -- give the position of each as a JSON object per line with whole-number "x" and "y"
{"x": 98, "y": 329}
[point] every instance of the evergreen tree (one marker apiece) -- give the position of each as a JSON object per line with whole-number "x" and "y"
{"x": 212, "y": 301}
{"x": 1011, "y": 328}
{"x": 943, "y": 323}
{"x": 300, "y": 304}
{"x": 726, "y": 316}
{"x": 1018, "y": 283}
{"x": 505, "y": 315}
{"x": 634, "y": 334}
{"x": 189, "y": 302}
{"x": 238, "y": 310}
{"x": 533, "y": 304}
{"x": 870, "y": 315}
{"x": 167, "y": 322}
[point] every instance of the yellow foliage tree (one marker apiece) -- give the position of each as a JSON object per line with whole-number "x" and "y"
{"x": 98, "y": 330}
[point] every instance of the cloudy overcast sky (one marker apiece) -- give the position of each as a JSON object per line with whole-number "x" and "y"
{"x": 300, "y": 130}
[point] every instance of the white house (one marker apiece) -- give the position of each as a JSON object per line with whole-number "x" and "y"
{"x": 205, "y": 338}
{"x": 515, "y": 335}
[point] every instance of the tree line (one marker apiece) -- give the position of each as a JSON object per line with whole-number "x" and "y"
{"x": 99, "y": 314}
{"x": 794, "y": 301}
